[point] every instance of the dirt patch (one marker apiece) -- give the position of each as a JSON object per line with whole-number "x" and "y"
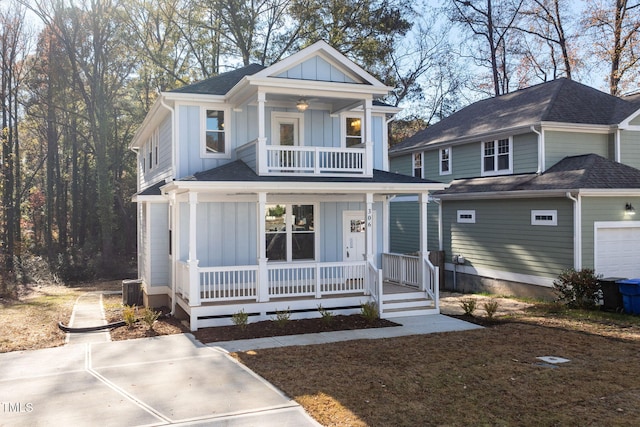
{"x": 451, "y": 304}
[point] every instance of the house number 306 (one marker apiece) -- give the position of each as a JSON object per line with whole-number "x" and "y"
{"x": 369, "y": 217}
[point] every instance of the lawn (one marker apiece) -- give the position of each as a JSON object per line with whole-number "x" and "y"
{"x": 489, "y": 376}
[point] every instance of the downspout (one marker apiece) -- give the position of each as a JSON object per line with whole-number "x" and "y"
{"x": 540, "y": 150}
{"x": 577, "y": 230}
{"x": 618, "y": 154}
{"x": 172, "y": 206}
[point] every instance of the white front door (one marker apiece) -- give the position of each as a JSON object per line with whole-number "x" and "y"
{"x": 354, "y": 236}
{"x": 286, "y": 129}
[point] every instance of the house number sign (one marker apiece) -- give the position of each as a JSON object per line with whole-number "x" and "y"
{"x": 369, "y": 218}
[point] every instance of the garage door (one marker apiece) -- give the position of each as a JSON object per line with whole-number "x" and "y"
{"x": 617, "y": 251}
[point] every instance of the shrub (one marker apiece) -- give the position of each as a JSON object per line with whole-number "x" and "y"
{"x": 468, "y": 305}
{"x": 149, "y": 317}
{"x": 327, "y": 316}
{"x": 282, "y": 317}
{"x": 369, "y": 310}
{"x": 577, "y": 289}
{"x": 129, "y": 315}
{"x": 240, "y": 319}
{"x": 491, "y": 307}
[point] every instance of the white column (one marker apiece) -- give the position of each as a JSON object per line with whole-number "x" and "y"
{"x": 368, "y": 136}
{"x": 263, "y": 273}
{"x": 194, "y": 275}
{"x": 262, "y": 135}
{"x": 173, "y": 248}
{"x": 369, "y": 230}
{"x": 424, "y": 252}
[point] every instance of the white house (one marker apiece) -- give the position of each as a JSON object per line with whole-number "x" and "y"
{"x": 267, "y": 189}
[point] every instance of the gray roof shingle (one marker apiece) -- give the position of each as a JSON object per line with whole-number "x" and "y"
{"x": 588, "y": 171}
{"x": 560, "y": 100}
{"x": 222, "y": 83}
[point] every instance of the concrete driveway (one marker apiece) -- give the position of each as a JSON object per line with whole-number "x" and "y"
{"x": 152, "y": 381}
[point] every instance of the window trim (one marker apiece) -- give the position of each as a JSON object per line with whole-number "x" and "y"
{"x": 496, "y": 172}
{"x": 462, "y": 215}
{"x": 203, "y": 132}
{"x": 440, "y": 152}
{"x": 553, "y": 213}
{"x": 343, "y": 129}
{"x": 413, "y": 164}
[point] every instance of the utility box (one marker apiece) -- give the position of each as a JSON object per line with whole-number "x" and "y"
{"x": 630, "y": 290}
{"x": 132, "y": 292}
{"x": 611, "y": 294}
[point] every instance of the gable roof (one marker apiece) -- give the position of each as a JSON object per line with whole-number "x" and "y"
{"x": 589, "y": 171}
{"x": 561, "y": 101}
{"x": 222, "y": 83}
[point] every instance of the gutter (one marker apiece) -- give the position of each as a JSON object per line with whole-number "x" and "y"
{"x": 577, "y": 230}
{"x": 540, "y": 150}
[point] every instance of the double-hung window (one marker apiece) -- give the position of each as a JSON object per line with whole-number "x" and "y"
{"x": 353, "y": 131}
{"x": 290, "y": 232}
{"x": 445, "y": 161}
{"x": 497, "y": 157}
{"x": 215, "y": 141}
{"x": 417, "y": 165}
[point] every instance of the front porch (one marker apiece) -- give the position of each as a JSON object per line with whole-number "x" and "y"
{"x": 406, "y": 285}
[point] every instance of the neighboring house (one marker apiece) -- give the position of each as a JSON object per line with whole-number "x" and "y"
{"x": 267, "y": 189}
{"x": 541, "y": 180}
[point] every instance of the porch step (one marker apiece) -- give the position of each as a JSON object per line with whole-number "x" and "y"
{"x": 407, "y": 304}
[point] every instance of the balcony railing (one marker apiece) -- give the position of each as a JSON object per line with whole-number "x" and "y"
{"x": 315, "y": 160}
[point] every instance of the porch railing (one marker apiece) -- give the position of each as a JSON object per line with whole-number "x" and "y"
{"x": 234, "y": 283}
{"x": 408, "y": 270}
{"x": 316, "y": 160}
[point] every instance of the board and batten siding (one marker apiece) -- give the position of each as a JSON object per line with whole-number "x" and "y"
{"x": 162, "y": 170}
{"x": 630, "y": 148}
{"x": 559, "y": 145}
{"x": 503, "y": 239}
{"x": 143, "y": 246}
{"x": 159, "y": 244}
{"x": 596, "y": 209}
{"x": 316, "y": 68}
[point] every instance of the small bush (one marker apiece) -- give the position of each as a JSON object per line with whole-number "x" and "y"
{"x": 577, "y": 289}
{"x": 327, "y": 316}
{"x": 369, "y": 310}
{"x": 149, "y": 317}
{"x": 240, "y": 319}
{"x": 491, "y": 307}
{"x": 282, "y": 317}
{"x": 468, "y": 306}
{"x": 129, "y": 315}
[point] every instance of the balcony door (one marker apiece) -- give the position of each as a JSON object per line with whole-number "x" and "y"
{"x": 287, "y": 129}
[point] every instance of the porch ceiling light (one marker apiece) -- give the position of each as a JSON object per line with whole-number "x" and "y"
{"x": 629, "y": 209}
{"x": 302, "y": 105}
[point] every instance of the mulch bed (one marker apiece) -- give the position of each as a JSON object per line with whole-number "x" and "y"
{"x": 270, "y": 328}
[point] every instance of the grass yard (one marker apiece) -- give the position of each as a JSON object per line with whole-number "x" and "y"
{"x": 483, "y": 377}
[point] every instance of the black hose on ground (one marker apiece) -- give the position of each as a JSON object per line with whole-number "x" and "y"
{"x": 91, "y": 328}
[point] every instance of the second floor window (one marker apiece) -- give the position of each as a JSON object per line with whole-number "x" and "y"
{"x": 214, "y": 132}
{"x": 417, "y": 165}
{"x": 353, "y": 131}
{"x": 496, "y": 157}
{"x": 445, "y": 161}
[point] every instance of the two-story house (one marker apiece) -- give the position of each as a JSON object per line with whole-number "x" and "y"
{"x": 267, "y": 189}
{"x": 540, "y": 180}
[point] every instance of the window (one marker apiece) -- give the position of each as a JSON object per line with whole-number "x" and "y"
{"x": 215, "y": 141}
{"x": 353, "y": 131}
{"x": 546, "y": 217}
{"x": 290, "y": 232}
{"x": 417, "y": 165}
{"x": 467, "y": 216}
{"x": 445, "y": 161}
{"x": 496, "y": 157}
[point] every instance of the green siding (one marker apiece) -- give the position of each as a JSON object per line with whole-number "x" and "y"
{"x": 635, "y": 121}
{"x": 559, "y": 145}
{"x": 402, "y": 164}
{"x": 525, "y": 153}
{"x": 404, "y": 227}
{"x": 503, "y": 238}
{"x": 601, "y": 209}
{"x": 630, "y": 148}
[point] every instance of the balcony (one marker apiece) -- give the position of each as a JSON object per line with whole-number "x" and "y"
{"x": 301, "y": 160}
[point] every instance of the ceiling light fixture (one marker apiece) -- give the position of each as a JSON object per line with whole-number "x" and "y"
{"x": 302, "y": 105}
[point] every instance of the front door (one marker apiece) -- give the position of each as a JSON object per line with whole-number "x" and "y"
{"x": 354, "y": 237}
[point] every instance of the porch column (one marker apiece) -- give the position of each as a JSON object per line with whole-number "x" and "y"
{"x": 261, "y": 151}
{"x": 424, "y": 251}
{"x": 173, "y": 256}
{"x": 194, "y": 275}
{"x": 369, "y": 228}
{"x": 368, "y": 137}
{"x": 263, "y": 273}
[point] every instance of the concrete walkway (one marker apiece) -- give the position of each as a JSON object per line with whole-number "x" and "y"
{"x": 164, "y": 380}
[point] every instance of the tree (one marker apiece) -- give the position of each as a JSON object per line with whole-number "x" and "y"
{"x": 614, "y": 30}
{"x": 490, "y": 22}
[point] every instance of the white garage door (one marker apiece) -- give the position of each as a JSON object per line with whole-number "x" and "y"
{"x": 617, "y": 251}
